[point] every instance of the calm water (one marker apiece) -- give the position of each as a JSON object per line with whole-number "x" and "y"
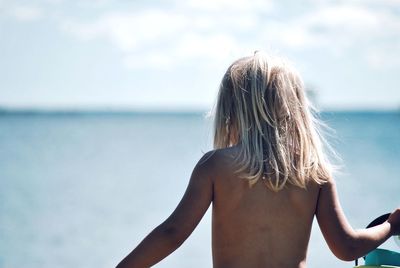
{"x": 83, "y": 190}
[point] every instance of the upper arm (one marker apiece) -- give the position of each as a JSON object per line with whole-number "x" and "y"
{"x": 195, "y": 201}
{"x": 334, "y": 226}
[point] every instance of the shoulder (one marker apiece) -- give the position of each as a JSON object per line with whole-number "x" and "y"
{"x": 216, "y": 163}
{"x": 218, "y": 157}
{"x": 328, "y": 185}
{"x": 328, "y": 196}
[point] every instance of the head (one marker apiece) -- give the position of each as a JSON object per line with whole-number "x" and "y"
{"x": 262, "y": 107}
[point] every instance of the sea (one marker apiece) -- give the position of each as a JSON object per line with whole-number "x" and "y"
{"x": 82, "y": 189}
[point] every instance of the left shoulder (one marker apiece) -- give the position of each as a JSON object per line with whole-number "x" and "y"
{"x": 206, "y": 165}
{"x": 216, "y": 162}
{"x": 217, "y": 157}
{"x": 207, "y": 159}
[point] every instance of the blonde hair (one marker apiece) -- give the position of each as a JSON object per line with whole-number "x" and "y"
{"x": 262, "y": 106}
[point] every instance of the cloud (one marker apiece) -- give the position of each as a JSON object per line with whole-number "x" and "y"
{"x": 386, "y": 56}
{"x": 161, "y": 37}
{"x": 197, "y": 29}
{"x": 229, "y": 5}
{"x": 322, "y": 26}
{"x": 190, "y": 47}
{"x": 26, "y": 13}
{"x": 341, "y": 29}
{"x": 129, "y": 30}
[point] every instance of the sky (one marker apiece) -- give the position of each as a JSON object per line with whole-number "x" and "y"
{"x": 172, "y": 54}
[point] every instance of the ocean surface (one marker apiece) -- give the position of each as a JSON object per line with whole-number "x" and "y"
{"x": 81, "y": 190}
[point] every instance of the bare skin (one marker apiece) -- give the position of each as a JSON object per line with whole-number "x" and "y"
{"x": 255, "y": 227}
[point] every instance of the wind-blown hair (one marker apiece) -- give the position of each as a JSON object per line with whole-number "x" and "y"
{"x": 262, "y": 106}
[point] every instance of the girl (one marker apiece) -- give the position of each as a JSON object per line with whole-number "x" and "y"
{"x": 266, "y": 179}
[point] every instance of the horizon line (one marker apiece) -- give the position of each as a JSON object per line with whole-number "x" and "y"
{"x": 156, "y": 110}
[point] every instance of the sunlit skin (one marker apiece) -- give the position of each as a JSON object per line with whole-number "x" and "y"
{"x": 254, "y": 226}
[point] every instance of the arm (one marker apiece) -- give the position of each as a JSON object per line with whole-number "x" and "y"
{"x": 170, "y": 234}
{"x": 346, "y": 243}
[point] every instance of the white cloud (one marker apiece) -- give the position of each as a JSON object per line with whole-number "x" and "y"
{"x": 54, "y": 2}
{"x": 343, "y": 17}
{"x": 387, "y": 56}
{"x": 129, "y": 30}
{"x": 213, "y": 48}
{"x": 94, "y": 3}
{"x": 150, "y": 60}
{"x": 339, "y": 29}
{"x": 229, "y": 5}
{"x": 144, "y": 34}
{"x": 214, "y": 29}
{"x": 26, "y": 13}
{"x": 327, "y": 26}
{"x": 381, "y": 3}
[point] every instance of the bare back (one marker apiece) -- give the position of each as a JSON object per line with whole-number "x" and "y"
{"x": 254, "y": 226}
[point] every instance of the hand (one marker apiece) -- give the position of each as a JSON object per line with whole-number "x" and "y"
{"x": 394, "y": 220}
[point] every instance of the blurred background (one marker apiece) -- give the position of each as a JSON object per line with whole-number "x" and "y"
{"x": 103, "y": 109}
